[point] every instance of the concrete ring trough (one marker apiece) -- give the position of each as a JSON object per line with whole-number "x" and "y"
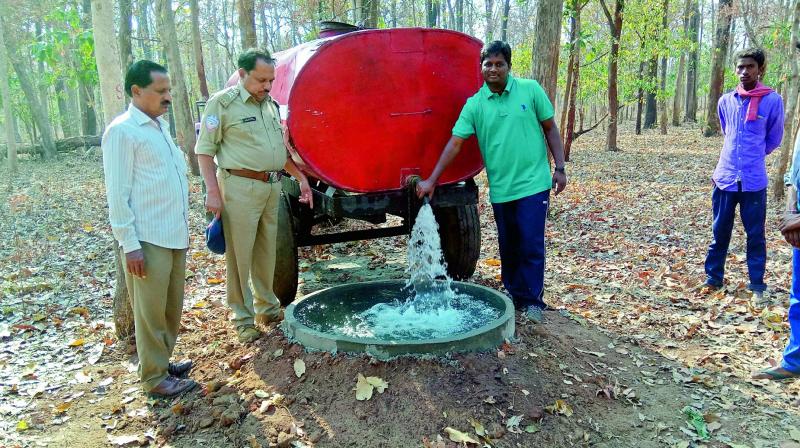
{"x": 486, "y": 337}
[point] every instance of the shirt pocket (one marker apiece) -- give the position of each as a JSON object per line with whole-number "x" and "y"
{"x": 757, "y": 126}
{"x": 244, "y": 128}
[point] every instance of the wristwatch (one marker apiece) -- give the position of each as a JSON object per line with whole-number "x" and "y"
{"x": 560, "y": 169}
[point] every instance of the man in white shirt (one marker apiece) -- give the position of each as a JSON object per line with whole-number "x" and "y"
{"x": 148, "y": 206}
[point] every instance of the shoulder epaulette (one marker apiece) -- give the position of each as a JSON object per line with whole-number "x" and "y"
{"x": 227, "y": 96}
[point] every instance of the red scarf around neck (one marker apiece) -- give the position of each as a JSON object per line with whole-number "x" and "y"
{"x": 755, "y": 95}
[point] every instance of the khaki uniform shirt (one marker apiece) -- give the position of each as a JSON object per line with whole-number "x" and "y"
{"x": 241, "y": 132}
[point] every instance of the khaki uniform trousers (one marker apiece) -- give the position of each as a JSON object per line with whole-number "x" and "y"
{"x": 250, "y": 226}
{"x": 157, "y": 303}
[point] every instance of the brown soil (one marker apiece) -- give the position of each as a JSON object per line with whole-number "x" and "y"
{"x": 586, "y": 377}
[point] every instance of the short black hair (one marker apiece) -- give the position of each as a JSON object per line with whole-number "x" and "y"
{"x": 756, "y": 53}
{"x": 248, "y": 59}
{"x": 139, "y": 74}
{"x": 496, "y": 47}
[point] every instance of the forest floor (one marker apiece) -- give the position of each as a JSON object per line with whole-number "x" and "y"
{"x": 633, "y": 350}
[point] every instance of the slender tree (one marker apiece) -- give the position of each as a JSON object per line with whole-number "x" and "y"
{"x": 125, "y": 51}
{"x": 547, "y": 44}
{"x": 615, "y": 30}
{"x": 692, "y": 64}
{"x": 11, "y": 138}
{"x": 109, "y": 64}
{"x": 184, "y": 125}
{"x": 197, "y": 47}
{"x": 40, "y": 117}
{"x": 247, "y": 23}
{"x": 793, "y": 82}
{"x": 719, "y": 59}
{"x": 86, "y": 89}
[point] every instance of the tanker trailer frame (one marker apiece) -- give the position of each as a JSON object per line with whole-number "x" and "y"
{"x": 454, "y": 205}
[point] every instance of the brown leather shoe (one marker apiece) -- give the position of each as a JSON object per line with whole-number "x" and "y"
{"x": 266, "y": 319}
{"x": 181, "y": 368}
{"x": 171, "y": 387}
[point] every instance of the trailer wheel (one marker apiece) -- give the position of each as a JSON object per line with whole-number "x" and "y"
{"x": 460, "y": 232}
{"x": 284, "y": 282}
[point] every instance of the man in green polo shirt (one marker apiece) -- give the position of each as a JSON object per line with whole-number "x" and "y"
{"x": 513, "y": 121}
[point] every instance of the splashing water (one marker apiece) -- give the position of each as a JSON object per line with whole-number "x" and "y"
{"x": 427, "y": 270}
{"x": 432, "y": 309}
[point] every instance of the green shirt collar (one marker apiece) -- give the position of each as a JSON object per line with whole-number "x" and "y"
{"x": 509, "y": 85}
{"x": 243, "y": 93}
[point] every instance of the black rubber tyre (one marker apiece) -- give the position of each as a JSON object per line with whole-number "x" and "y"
{"x": 460, "y": 232}
{"x": 285, "y": 280}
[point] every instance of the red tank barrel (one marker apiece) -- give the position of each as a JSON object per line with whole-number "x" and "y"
{"x": 369, "y": 108}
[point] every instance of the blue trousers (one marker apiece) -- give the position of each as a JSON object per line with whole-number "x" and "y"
{"x": 520, "y": 234}
{"x": 753, "y": 211}
{"x": 791, "y": 356}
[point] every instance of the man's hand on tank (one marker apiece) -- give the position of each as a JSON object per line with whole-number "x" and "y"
{"x": 426, "y": 188}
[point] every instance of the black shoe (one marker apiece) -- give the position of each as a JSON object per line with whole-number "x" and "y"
{"x": 180, "y": 369}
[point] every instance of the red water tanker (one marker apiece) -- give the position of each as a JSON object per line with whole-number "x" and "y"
{"x": 365, "y": 111}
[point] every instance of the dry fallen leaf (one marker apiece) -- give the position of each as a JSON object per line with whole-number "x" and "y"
{"x": 378, "y": 383}
{"x": 77, "y": 342}
{"x": 458, "y": 436}
{"x": 560, "y": 407}
{"x": 363, "y": 388}
{"x": 299, "y": 367}
{"x": 477, "y": 426}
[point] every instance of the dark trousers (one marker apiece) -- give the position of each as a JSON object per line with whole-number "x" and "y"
{"x": 753, "y": 211}
{"x": 520, "y": 233}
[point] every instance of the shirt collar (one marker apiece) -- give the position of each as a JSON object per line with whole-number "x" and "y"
{"x": 509, "y": 85}
{"x": 141, "y": 117}
{"x": 243, "y": 93}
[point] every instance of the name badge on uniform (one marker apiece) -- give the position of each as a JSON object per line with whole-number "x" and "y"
{"x": 248, "y": 119}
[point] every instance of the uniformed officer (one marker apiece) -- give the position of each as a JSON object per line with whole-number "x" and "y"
{"x": 241, "y": 126}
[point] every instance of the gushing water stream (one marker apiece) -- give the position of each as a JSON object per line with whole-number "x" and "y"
{"x": 430, "y": 309}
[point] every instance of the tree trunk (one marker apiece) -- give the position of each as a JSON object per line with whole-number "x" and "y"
{"x": 650, "y": 96}
{"x": 64, "y": 112}
{"x": 573, "y": 43}
{"x": 662, "y": 100}
{"x": 574, "y": 82}
{"x": 489, "y": 17}
{"x": 615, "y": 29}
{"x": 504, "y": 21}
{"x": 247, "y": 23}
{"x": 723, "y": 30}
{"x": 38, "y": 113}
{"x": 85, "y": 89}
{"x": 640, "y": 98}
{"x": 109, "y": 69}
{"x": 125, "y": 51}
{"x": 184, "y": 126}
{"x": 690, "y": 111}
{"x": 143, "y": 29}
{"x": 662, "y": 94}
{"x": 197, "y": 47}
{"x": 431, "y": 13}
{"x": 547, "y": 45}
{"x": 5, "y": 91}
{"x": 459, "y": 16}
{"x": 370, "y": 13}
{"x": 782, "y": 161}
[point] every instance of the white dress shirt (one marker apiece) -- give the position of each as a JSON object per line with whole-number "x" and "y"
{"x": 146, "y": 184}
